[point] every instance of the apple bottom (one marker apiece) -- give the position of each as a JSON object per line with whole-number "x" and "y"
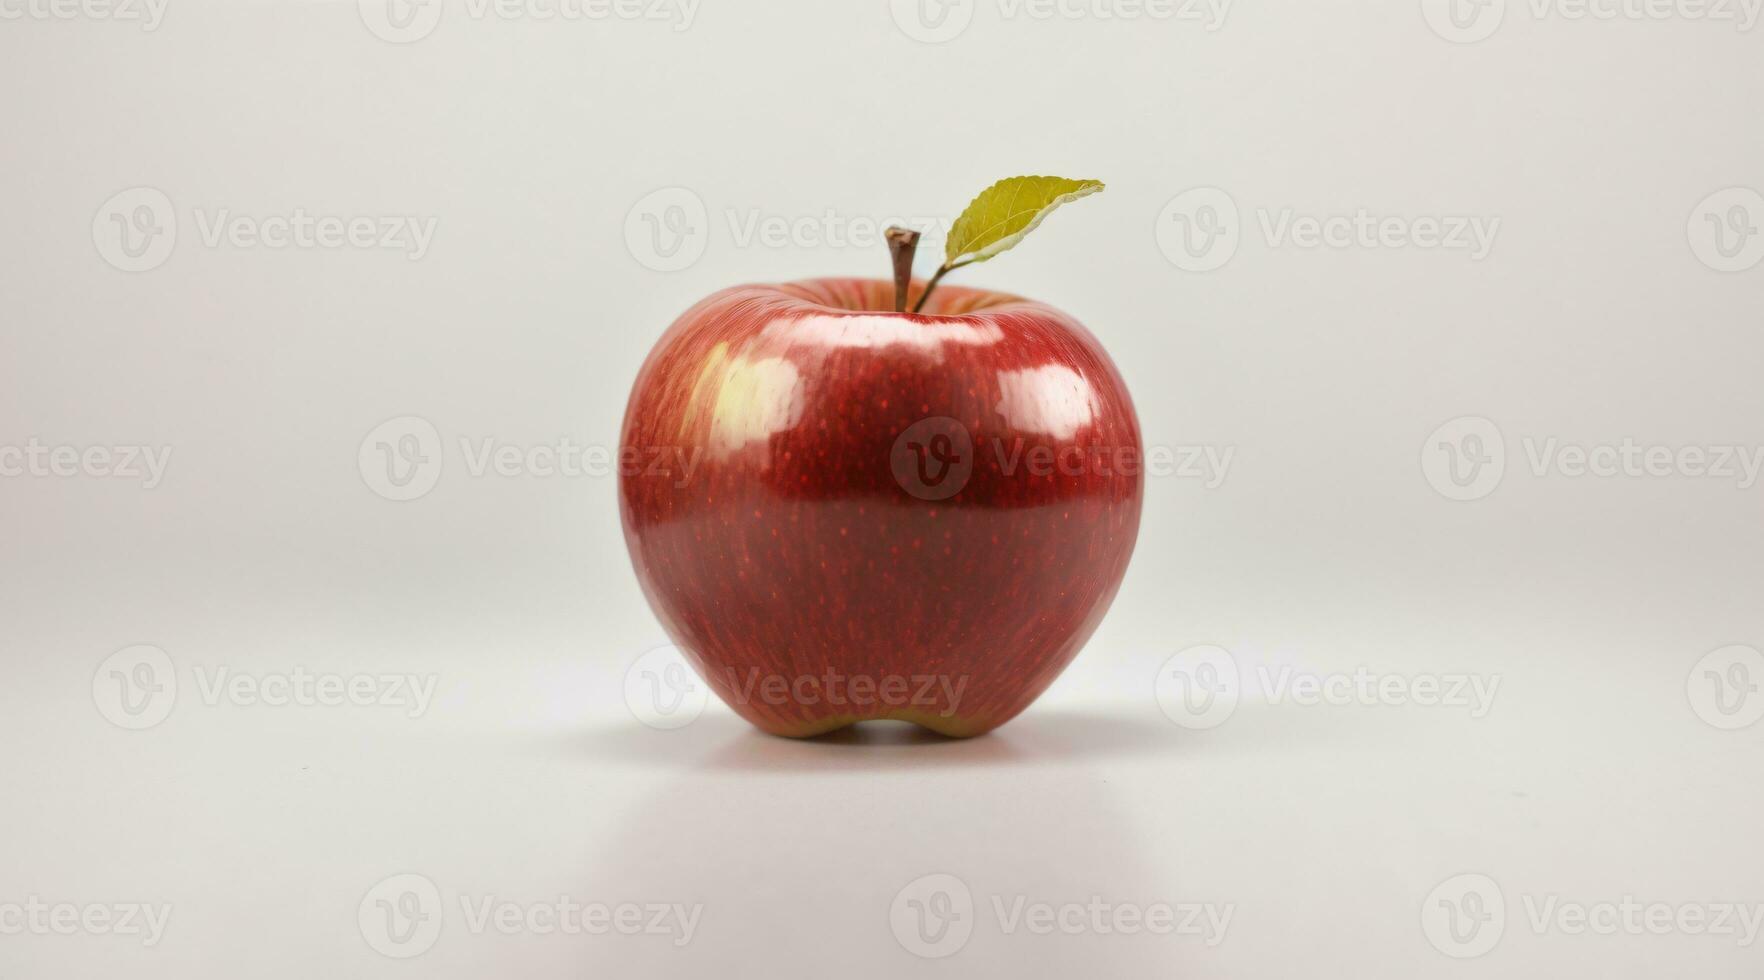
{"x": 809, "y": 703}
{"x": 948, "y": 727}
{"x": 788, "y": 724}
{"x": 821, "y": 673}
{"x": 912, "y": 640}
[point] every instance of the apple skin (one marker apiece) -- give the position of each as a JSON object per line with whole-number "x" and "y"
{"x": 842, "y": 513}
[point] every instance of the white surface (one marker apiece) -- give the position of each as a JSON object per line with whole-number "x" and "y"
{"x": 1600, "y": 313}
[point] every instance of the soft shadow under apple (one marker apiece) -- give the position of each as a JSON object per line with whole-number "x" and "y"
{"x": 797, "y": 850}
{"x": 720, "y": 740}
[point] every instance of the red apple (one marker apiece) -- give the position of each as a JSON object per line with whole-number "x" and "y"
{"x": 842, "y": 513}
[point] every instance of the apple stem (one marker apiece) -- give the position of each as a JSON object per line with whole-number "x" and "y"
{"x": 936, "y": 277}
{"x": 902, "y": 243}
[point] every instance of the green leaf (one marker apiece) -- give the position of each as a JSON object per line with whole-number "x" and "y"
{"x": 1005, "y": 212}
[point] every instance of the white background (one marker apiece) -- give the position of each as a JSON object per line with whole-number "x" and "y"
{"x": 1606, "y": 766}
